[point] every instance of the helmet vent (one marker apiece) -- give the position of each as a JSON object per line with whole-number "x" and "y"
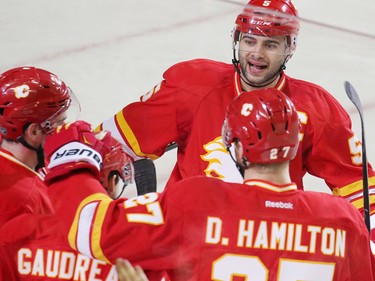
{"x": 2, "y": 109}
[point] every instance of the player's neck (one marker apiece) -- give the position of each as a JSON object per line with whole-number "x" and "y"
{"x": 275, "y": 173}
{"x": 21, "y": 153}
{"x": 247, "y": 87}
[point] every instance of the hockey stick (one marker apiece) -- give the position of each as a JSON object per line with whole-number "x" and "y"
{"x": 145, "y": 176}
{"x": 145, "y": 173}
{"x": 171, "y": 146}
{"x": 353, "y": 96}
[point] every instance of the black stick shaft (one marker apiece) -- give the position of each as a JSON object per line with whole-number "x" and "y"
{"x": 353, "y": 96}
{"x": 145, "y": 176}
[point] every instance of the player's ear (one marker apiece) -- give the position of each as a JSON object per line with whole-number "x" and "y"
{"x": 112, "y": 181}
{"x": 115, "y": 186}
{"x": 238, "y": 149}
{"x": 240, "y": 159}
{"x": 33, "y": 134}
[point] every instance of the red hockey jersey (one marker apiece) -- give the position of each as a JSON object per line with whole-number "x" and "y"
{"x": 188, "y": 107}
{"x": 32, "y": 244}
{"x": 207, "y": 229}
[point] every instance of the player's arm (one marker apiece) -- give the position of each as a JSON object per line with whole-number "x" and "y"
{"x": 164, "y": 115}
{"x": 106, "y": 229}
{"x": 335, "y": 156}
{"x": 147, "y": 127}
{"x": 93, "y": 222}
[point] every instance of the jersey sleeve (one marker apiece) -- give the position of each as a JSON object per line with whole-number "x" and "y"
{"x": 104, "y": 229}
{"x": 334, "y": 152}
{"x": 162, "y": 116}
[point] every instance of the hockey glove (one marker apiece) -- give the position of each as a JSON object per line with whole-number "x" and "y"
{"x": 72, "y": 147}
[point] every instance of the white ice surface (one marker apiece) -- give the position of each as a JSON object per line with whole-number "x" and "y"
{"x": 111, "y": 52}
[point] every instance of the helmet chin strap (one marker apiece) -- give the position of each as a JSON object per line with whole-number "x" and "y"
{"x": 39, "y": 151}
{"x": 116, "y": 180}
{"x": 239, "y": 168}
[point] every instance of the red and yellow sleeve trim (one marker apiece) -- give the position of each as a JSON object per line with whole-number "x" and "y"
{"x": 130, "y": 137}
{"x": 355, "y": 187}
{"x": 103, "y": 202}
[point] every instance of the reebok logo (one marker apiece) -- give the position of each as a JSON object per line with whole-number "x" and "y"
{"x": 279, "y": 205}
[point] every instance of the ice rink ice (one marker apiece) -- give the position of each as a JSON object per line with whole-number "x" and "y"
{"x": 111, "y": 52}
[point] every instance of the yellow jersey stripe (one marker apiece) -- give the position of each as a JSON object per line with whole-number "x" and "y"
{"x": 359, "y": 202}
{"x": 132, "y": 140}
{"x": 352, "y": 188}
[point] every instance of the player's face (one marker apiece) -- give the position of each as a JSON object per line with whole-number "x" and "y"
{"x": 261, "y": 58}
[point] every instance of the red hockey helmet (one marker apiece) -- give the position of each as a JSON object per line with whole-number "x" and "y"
{"x": 266, "y": 122}
{"x": 268, "y": 18}
{"x": 116, "y": 162}
{"x": 33, "y": 95}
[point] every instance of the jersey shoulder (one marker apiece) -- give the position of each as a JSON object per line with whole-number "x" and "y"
{"x": 335, "y": 209}
{"x": 199, "y": 192}
{"x": 199, "y": 72}
{"x": 313, "y": 98}
{"x": 24, "y": 189}
{"x": 202, "y": 193}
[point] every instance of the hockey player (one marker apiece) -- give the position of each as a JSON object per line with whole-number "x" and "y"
{"x": 32, "y": 103}
{"x": 188, "y": 107}
{"x": 203, "y": 228}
